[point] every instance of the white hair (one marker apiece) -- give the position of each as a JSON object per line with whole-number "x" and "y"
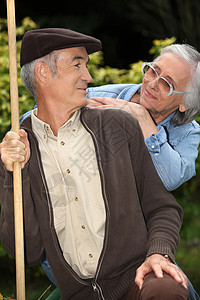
{"x": 191, "y": 100}
{"x": 28, "y": 71}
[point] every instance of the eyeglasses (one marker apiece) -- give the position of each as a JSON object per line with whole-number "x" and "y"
{"x": 164, "y": 86}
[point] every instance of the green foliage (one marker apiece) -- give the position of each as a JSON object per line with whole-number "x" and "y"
{"x": 187, "y": 195}
{"x": 158, "y": 45}
{"x": 106, "y": 75}
{"x": 25, "y": 98}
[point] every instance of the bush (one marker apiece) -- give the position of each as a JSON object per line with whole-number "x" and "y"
{"x": 25, "y": 99}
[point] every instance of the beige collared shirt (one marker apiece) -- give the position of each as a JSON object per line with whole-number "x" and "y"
{"x": 73, "y": 179}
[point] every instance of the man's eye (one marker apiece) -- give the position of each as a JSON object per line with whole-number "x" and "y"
{"x": 77, "y": 65}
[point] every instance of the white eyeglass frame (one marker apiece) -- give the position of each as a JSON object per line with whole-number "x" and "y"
{"x": 171, "y": 92}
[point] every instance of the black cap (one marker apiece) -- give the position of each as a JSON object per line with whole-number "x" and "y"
{"x": 40, "y": 42}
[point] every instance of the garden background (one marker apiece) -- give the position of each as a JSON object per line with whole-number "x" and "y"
{"x": 131, "y": 32}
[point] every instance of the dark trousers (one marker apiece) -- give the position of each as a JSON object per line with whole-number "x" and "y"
{"x": 154, "y": 288}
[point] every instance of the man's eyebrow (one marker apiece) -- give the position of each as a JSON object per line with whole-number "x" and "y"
{"x": 167, "y": 77}
{"x": 79, "y": 57}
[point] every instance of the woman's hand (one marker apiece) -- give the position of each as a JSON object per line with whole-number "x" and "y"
{"x": 136, "y": 110}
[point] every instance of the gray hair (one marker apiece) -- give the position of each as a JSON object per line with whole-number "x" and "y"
{"x": 28, "y": 71}
{"x": 192, "y": 99}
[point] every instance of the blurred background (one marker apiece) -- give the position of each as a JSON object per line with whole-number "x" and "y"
{"x": 126, "y": 28}
{"x": 131, "y": 32}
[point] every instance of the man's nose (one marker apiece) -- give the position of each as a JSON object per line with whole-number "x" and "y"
{"x": 86, "y": 76}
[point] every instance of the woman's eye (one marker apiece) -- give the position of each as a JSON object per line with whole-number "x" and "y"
{"x": 157, "y": 70}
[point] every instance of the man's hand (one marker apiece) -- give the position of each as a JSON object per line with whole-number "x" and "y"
{"x": 15, "y": 147}
{"x": 158, "y": 264}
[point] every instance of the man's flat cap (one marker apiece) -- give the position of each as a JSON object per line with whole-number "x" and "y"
{"x": 40, "y": 42}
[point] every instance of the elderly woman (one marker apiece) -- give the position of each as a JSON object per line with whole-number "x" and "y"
{"x": 165, "y": 105}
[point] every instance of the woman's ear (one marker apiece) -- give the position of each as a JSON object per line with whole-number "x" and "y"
{"x": 182, "y": 108}
{"x": 41, "y": 72}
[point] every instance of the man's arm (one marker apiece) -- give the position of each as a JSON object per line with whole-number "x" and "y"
{"x": 162, "y": 214}
{"x": 16, "y": 148}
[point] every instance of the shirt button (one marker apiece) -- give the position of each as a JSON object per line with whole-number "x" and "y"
{"x": 68, "y": 171}
{"x": 90, "y": 255}
{"x": 83, "y": 226}
{"x": 152, "y": 146}
{"x": 62, "y": 143}
{"x": 76, "y": 198}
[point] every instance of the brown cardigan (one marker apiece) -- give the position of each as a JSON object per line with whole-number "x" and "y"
{"x": 142, "y": 217}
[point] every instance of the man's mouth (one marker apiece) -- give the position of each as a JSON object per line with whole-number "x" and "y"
{"x": 83, "y": 89}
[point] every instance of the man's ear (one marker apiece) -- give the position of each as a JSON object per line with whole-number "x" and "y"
{"x": 182, "y": 108}
{"x": 41, "y": 72}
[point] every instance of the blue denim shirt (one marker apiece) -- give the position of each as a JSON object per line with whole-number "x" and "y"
{"x": 173, "y": 149}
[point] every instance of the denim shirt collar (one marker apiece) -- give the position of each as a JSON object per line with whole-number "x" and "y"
{"x": 167, "y": 119}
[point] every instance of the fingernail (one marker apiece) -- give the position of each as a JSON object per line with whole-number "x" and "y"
{"x": 179, "y": 278}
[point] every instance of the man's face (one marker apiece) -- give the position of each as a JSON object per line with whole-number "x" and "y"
{"x": 177, "y": 72}
{"x": 68, "y": 86}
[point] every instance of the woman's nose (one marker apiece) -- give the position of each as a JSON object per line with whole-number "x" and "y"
{"x": 154, "y": 84}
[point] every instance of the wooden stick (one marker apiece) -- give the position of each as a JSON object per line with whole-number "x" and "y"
{"x": 17, "y": 181}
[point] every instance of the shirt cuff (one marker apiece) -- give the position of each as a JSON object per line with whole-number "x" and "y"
{"x": 155, "y": 141}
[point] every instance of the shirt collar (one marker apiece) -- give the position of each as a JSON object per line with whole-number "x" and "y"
{"x": 73, "y": 123}
{"x": 44, "y": 129}
{"x": 167, "y": 119}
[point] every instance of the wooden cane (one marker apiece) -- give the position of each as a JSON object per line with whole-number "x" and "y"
{"x": 17, "y": 181}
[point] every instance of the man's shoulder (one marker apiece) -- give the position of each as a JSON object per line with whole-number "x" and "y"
{"x": 123, "y": 91}
{"x": 111, "y": 117}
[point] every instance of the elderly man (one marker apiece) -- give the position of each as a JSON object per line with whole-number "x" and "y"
{"x": 93, "y": 202}
{"x": 165, "y": 105}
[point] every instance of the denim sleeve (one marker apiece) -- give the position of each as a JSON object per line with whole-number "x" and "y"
{"x": 174, "y": 164}
{"x": 24, "y": 116}
{"x": 95, "y": 92}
